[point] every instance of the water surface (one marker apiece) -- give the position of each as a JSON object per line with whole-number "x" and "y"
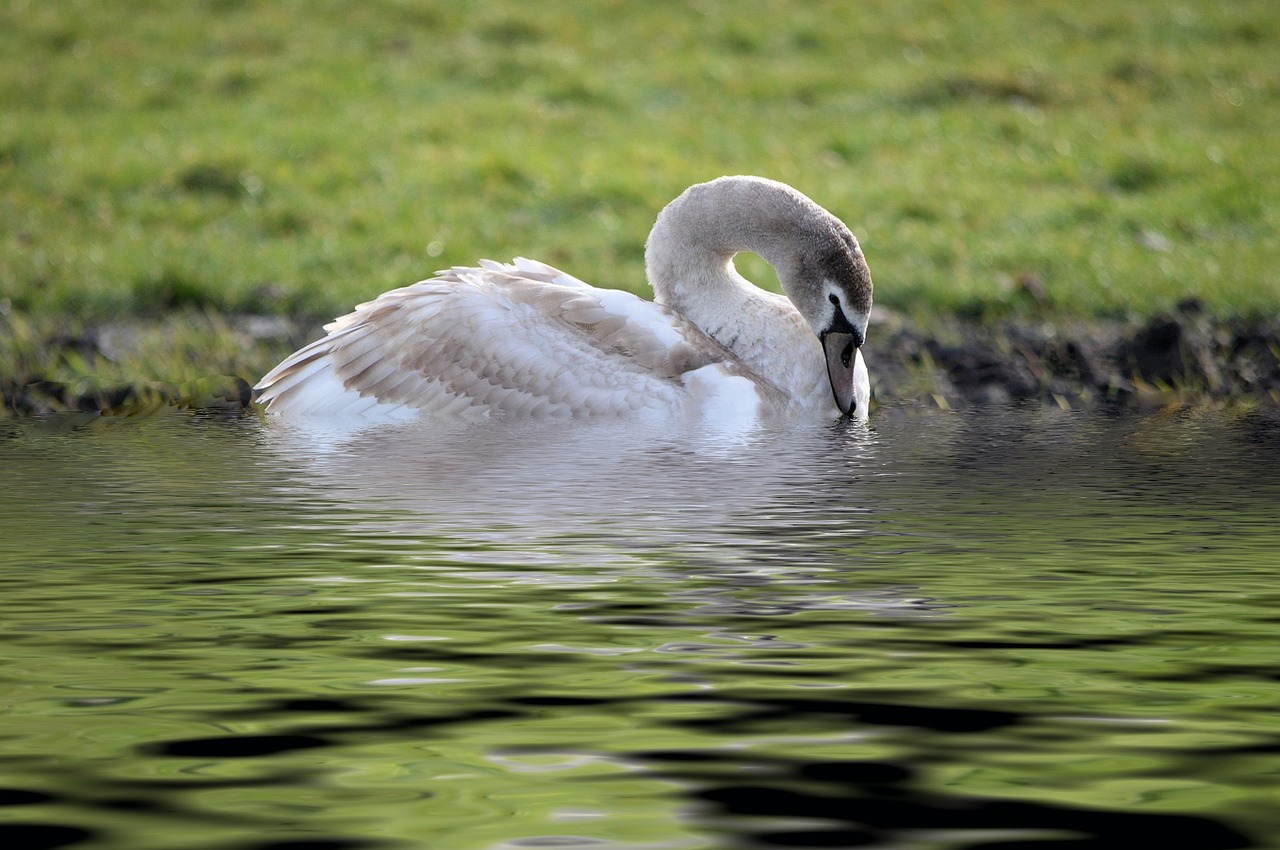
{"x": 1004, "y": 629}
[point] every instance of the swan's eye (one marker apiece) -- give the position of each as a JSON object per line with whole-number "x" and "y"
{"x": 847, "y": 354}
{"x": 834, "y": 299}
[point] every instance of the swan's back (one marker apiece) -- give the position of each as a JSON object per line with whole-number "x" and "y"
{"x": 522, "y": 340}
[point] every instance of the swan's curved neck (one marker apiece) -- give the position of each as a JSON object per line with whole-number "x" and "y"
{"x": 689, "y": 261}
{"x": 689, "y": 251}
{"x": 688, "y": 256}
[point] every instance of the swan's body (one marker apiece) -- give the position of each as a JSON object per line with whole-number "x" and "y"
{"x": 526, "y": 340}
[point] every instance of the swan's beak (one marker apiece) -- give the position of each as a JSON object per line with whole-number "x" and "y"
{"x": 841, "y": 350}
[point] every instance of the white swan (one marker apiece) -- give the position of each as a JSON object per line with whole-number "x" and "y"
{"x": 527, "y": 340}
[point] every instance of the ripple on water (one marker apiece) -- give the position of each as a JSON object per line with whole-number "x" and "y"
{"x": 997, "y": 628}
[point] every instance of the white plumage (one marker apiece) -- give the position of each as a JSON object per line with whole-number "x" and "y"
{"x": 526, "y": 340}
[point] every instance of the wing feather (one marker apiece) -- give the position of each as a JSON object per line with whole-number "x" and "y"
{"x": 521, "y": 340}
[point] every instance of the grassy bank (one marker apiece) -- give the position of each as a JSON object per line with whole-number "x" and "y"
{"x": 997, "y": 159}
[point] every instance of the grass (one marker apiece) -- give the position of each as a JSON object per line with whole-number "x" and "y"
{"x": 295, "y": 158}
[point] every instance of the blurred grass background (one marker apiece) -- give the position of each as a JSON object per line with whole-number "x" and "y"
{"x": 1003, "y": 158}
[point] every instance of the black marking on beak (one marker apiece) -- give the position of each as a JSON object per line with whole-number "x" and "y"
{"x": 841, "y": 324}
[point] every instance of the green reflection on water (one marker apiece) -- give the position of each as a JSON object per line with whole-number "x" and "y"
{"x": 447, "y": 666}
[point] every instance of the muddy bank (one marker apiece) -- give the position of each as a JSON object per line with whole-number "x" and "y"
{"x": 1187, "y": 356}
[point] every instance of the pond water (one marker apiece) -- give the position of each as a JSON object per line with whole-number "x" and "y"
{"x": 997, "y": 629}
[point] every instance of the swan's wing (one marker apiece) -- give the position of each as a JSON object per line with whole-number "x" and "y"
{"x": 521, "y": 340}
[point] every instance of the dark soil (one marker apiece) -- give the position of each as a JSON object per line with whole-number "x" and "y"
{"x": 1187, "y": 357}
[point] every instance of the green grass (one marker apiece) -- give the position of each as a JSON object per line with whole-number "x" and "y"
{"x": 298, "y": 157}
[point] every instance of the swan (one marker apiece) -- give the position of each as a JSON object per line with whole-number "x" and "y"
{"x": 526, "y": 340}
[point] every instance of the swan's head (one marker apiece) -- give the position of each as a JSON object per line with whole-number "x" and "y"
{"x": 830, "y": 285}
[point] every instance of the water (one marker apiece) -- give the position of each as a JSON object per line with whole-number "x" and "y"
{"x": 1004, "y": 629}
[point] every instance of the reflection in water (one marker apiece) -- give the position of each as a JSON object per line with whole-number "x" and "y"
{"x": 586, "y": 476}
{"x": 1000, "y": 629}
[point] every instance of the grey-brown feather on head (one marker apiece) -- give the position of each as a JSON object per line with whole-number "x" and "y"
{"x": 847, "y": 269}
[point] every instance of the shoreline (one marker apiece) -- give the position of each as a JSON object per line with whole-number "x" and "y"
{"x": 1186, "y": 356}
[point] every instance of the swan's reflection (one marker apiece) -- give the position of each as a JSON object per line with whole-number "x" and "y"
{"x": 780, "y": 506}
{"x": 541, "y": 479}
